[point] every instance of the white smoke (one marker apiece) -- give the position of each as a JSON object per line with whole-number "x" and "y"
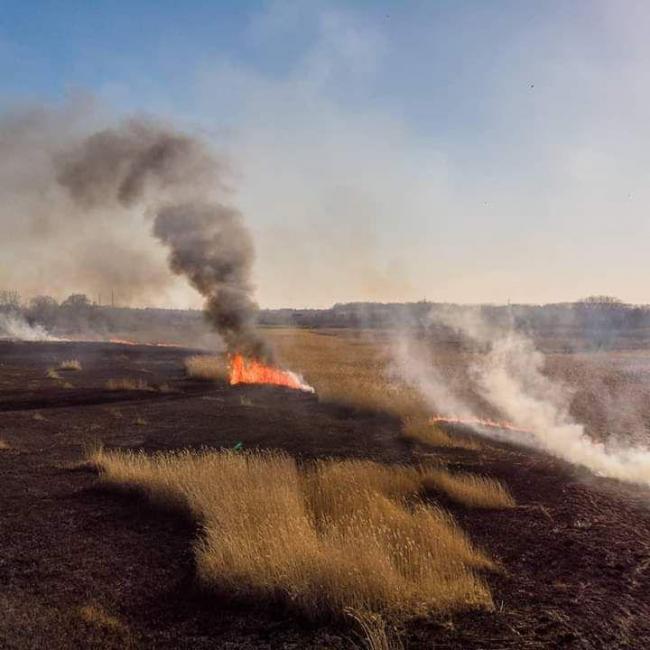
{"x": 411, "y": 363}
{"x": 510, "y": 377}
{"x": 14, "y": 326}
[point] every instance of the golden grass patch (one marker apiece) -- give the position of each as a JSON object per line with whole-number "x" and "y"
{"x": 97, "y": 616}
{"x": 70, "y": 364}
{"x": 469, "y": 489}
{"x": 347, "y": 367}
{"x": 331, "y": 537}
{"x": 423, "y": 430}
{"x": 206, "y": 367}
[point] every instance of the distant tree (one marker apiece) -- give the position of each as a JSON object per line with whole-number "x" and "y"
{"x": 9, "y": 300}
{"x": 601, "y": 300}
{"x": 76, "y": 301}
{"x": 43, "y": 310}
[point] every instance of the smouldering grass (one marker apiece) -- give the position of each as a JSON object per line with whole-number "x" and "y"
{"x": 328, "y": 538}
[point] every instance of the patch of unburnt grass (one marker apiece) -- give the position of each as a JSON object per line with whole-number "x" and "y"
{"x": 105, "y": 624}
{"x": 70, "y": 364}
{"x": 331, "y": 537}
{"x": 469, "y": 490}
{"x": 421, "y": 429}
{"x": 206, "y": 367}
{"x": 128, "y": 383}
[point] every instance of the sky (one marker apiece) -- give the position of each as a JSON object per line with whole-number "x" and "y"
{"x": 386, "y": 151}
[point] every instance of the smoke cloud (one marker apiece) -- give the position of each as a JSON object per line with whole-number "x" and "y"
{"x": 75, "y": 196}
{"x": 14, "y": 326}
{"x": 174, "y": 178}
{"x": 509, "y": 376}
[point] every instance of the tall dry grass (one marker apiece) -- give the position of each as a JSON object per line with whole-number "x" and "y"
{"x": 470, "y": 490}
{"x": 421, "y": 429}
{"x": 207, "y": 367}
{"x": 128, "y": 383}
{"x": 329, "y": 538}
{"x": 348, "y": 367}
{"x": 70, "y": 364}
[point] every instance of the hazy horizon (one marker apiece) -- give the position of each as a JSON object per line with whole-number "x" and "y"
{"x": 394, "y": 152}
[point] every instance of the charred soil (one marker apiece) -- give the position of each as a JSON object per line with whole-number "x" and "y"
{"x": 82, "y": 567}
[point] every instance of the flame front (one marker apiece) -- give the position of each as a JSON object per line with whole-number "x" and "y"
{"x": 249, "y": 371}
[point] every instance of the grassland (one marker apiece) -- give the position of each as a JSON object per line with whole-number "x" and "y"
{"x": 206, "y": 367}
{"x": 332, "y": 537}
{"x": 347, "y": 367}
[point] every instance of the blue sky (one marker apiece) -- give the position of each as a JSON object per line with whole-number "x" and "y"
{"x": 461, "y": 151}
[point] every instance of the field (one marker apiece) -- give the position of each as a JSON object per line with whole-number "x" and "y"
{"x": 524, "y": 550}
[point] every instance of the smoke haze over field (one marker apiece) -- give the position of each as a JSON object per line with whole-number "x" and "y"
{"x": 510, "y": 378}
{"x": 141, "y": 167}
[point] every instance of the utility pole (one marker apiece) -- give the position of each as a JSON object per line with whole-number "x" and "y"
{"x": 112, "y": 298}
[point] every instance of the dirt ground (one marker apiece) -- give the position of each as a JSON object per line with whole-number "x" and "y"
{"x": 80, "y": 567}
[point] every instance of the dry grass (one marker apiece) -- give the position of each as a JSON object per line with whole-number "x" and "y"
{"x": 128, "y": 383}
{"x": 98, "y": 617}
{"x": 423, "y": 430}
{"x": 4, "y": 444}
{"x": 470, "y": 490}
{"x": 374, "y": 633}
{"x": 333, "y": 537}
{"x": 207, "y": 368}
{"x": 70, "y": 364}
{"x": 348, "y": 367}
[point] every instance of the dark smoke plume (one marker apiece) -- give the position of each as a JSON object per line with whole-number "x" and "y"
{"x": 174, "y": 178}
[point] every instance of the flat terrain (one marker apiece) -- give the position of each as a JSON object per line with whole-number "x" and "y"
{"x": 82, "y": 567}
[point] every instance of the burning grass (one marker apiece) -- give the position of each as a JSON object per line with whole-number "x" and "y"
{"x": 329, "y": 538}
{"x": 207, "y": 367}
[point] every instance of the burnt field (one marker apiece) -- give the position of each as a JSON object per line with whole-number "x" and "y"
{"x": 84, "y": 566}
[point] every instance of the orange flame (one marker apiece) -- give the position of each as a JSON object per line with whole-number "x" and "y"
{"x": 478, "y": 422}
{"x": 249, "y": 371}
